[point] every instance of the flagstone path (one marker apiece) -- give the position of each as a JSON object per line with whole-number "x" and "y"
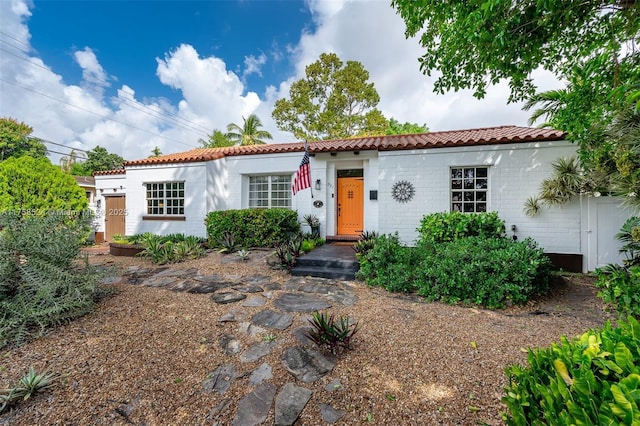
{"x": 304, "y": 362}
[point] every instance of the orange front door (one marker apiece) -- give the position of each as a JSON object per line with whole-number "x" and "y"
{"x": 350, "y": 205}
{"x": 114, "y": 218}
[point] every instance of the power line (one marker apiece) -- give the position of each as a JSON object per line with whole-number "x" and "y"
{"x": 64, "y": 146}
{"x": 166, "y": 116}
{"x": 95, "y": 113}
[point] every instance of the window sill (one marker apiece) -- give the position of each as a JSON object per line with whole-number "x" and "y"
{"x": 160, "y": 217}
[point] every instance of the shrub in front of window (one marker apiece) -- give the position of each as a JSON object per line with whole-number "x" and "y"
{"x": 475, "y": 270}
{"x": 591, "y": 380}
{"x": 443, "y": 227}
{"x": 253, "y": 227}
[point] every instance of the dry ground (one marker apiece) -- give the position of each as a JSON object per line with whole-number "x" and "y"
{"x": 141, "y": 356}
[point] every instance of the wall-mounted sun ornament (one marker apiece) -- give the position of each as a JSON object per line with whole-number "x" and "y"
{"x": 402, "y": 191}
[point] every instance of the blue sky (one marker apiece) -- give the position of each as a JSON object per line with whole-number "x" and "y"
{"x": 133, "y": 75}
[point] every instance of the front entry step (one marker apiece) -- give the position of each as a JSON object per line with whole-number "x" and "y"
{"x": 328, "y": 261}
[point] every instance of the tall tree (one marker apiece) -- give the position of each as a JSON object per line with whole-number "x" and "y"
{"x": 406, "y": 128}
{"x": 16, "y": 140}
{"x": 99, "y": 159}
{"x": 68, "y": 161}
{"x": 35, "y": 186}
{"x": 217, "y": 139}
{"x": 333, "y": 101}
{"x": 249, "y": 133}
{"x": 590, "y": 44}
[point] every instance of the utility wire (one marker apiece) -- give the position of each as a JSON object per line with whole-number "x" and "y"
{"x": 62, "y": 145}
{"x": 95, "y": 113}
{"x": 166, "y": 116}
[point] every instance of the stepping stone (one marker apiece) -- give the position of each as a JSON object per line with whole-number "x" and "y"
{"x": 179, "y": 273}
{"x": 209, "y": 287}
{"x": 300, "y": 335}
{"x": 220, "y": 379}
{"x": 255, "y": 279}
{"x": 110, "y": 280}
{"x": 257, "y": 351}
{"x": 254, "y": 407}
{"x": 299, "y": 302}
{"x": 254, "y": 302}
{"x": 306, "y": 365}
{"x": 233, "y": 316}
{"x": 319, "y": 288}
{"x": 161, "y": 281}
{"x": 260, "y": 374}
{"x": 218, "y": 409}
{"x": 272, "y": 319}
{"x": 333, "y": 386}
{"x": 229, "y": 344}
{"x": 330, "y": 414}
{"x": 227, "y": 297}
{"x": 272, "y": 286}
{"x": 250, "y": 330}
{"x": 289, "y": 403}
{"x": 343, "y": 297}
{"x": 248, "y": 288}
{"x": 208, "y": 279}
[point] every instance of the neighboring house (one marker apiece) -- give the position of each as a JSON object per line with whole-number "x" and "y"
{"x": 382, "y": 183}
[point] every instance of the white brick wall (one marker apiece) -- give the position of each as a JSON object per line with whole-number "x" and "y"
{"x": 515, "y": 173}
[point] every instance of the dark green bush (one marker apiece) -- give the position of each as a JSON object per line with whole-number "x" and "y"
{"x": 484, "y": 271}
{"x": 444, "y": 227}
{"x": 591, "y": 380}
{"x": 253, "y": 227}
{"x": 620, "y": 287}
{"x": 389, "y": 264}
{"x": 41, "y": 281}
{"x": 476, "y": 270}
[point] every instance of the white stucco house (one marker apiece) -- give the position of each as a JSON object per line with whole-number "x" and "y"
{"x": 379, "y": 183}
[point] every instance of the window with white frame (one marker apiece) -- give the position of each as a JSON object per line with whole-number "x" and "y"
{"x": 165, "y": 198}
{"x": 270, "y": 191}
{"x": 469, "y": 187}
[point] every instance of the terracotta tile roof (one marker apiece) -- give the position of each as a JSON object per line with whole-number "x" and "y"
{"x": 110, "y": 172}
{"x": 450, "y": 138}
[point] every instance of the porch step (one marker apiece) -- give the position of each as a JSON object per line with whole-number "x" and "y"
{"x": 328, "y": 261}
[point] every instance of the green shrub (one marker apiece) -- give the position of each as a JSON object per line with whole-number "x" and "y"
{"x": 444, "y": 227}
{"x": 170, "y": 248}
{"x": 629, "y": 236}
{"x": 253, "y": 227}
{"x": 620, "y": 287}
{"x": 594, "y": 379}
{"x": 483, "y": 271}
{"x": 41, "y": 281}
{"x": 388, "y": 264}
{"x": 476, "y": 270}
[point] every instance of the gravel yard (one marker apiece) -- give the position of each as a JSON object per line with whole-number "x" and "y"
{"x": 142, "y": 356}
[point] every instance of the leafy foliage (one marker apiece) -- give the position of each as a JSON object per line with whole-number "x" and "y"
{"x": 443, "y": 227}
{"x": 620, "y": 287}
{"x": 172, "y": 248}
{"x": 252, "y": 227}
{"x": 330, "y": 331}
{"x": 227, "y": 243}
{"x": 249, "y": 133}
{"x": 406, "y": 128}
{"x": 629, "y": 236}
{"x": 593, "y": 379}
{"x": 217, "y": 139}
{"x": 509, "y": 40}
{"x": 477, "y": 270}
{"x": 34, "y": 186}
{"x": 41, "y": 282}
{"x": 99, "y": 159}
{"x": 333, "y": 101}
{"x": 28, "y": 385}
{"x": 16, "y": 140}
{"x": 365, "y": 243}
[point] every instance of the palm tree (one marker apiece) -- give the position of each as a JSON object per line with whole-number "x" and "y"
{"x": 249, "y": 133}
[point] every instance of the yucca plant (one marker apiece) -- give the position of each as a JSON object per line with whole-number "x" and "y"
{"x": 331, "y": 332}
{"x": 28, "y": 385}
{"x": 227, "y": 243}
{"x": 243, "y": 254}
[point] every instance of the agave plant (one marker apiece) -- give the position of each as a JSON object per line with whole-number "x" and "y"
{"x": 331, "y": 331}
{"x": 227, "y": 243}
{"x": 28, "y": 385}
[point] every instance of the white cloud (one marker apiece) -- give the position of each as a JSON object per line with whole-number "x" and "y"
{"x": 253, "y": 65}
{"x": 92, "y": 72}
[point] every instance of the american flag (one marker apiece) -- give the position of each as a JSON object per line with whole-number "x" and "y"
{"x": 302, "y": 179}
